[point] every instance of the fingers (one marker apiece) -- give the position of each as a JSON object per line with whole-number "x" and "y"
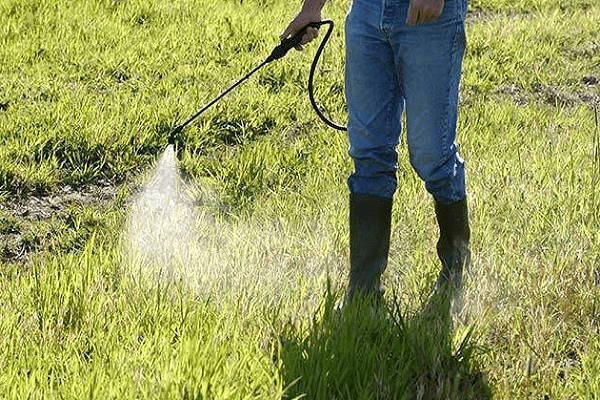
{"x": 310, "y": 35}
{"x": 296, "y": 26}
{"x": 292, "y": 29}
{"x": 421, "y": 11}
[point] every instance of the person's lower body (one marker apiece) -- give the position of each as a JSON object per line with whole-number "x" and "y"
{"x": 389, "y": 66}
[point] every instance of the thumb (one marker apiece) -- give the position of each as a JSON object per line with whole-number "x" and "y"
{"x": 286, "y": 33}
{"x": 413, "y": 15}
{"x": 291, "y": 29}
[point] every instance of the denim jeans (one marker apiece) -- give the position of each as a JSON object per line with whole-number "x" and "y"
{"x": 391, "y": 67}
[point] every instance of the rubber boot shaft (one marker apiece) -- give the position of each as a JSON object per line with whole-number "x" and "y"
{"x": 453, "y": 220}
{"x": 453, "y": 249}
{"x": 370, "y": 228}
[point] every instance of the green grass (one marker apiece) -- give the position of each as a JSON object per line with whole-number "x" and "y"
{"x": 89, "y": 91}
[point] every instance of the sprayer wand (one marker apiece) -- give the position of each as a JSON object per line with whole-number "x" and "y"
{"x": 278, "y": 52}
{"x": 180, "y": 127}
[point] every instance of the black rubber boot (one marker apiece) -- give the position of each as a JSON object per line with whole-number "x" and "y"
{"x": 370, "y": 228}
{"x": 453, "y": 249}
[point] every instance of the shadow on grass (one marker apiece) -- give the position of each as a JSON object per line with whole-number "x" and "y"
{"x": 365, "y": 352}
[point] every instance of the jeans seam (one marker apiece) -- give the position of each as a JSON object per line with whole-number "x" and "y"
{"x": 381, "y": 16}
{"x": 455, "y": 77}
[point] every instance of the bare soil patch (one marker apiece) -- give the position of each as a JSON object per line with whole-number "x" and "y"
{"x": 20, "y": 213}
{"x": 554, "y": 95}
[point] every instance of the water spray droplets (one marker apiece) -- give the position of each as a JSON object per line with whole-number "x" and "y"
{"x": 173, "y": 238}
{"x": 162, "y": 222}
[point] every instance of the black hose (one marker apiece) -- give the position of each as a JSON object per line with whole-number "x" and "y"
{"x": 312, "y": 75}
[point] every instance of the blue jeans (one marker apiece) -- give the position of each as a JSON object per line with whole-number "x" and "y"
{"x": 391, "y": 67}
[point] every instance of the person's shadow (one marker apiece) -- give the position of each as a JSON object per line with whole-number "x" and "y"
{"x": 367, "y": 351}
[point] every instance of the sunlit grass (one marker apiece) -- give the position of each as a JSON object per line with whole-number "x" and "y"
{"x": 89, "y": 91}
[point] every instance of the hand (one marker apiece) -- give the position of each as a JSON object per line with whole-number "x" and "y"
{"x": 305, "y": 16}
{"x": 420, "y": 11}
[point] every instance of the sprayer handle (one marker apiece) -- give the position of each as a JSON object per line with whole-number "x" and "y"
{"x": 288, "y": 43}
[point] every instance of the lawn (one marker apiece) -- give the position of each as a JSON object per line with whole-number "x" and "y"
{"x": 234, "y": 297}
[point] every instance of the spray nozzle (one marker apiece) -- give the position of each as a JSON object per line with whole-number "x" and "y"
{"x": 174, "y": 134}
